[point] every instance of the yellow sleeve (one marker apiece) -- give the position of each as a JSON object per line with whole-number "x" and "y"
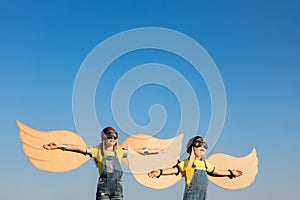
{"x": 210, "y": 167}
{"x": 95, "y": 151}
{"x": 183, "y": 164}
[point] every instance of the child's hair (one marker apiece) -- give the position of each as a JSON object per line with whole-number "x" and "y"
{"x": 189, "y": 145}
{"x": 106, "y": 131}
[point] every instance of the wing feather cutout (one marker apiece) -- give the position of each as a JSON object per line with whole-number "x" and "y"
{"x": 140, "y": 165}
{"x": 248, "y": 165}
{"x": 50, "y": 160}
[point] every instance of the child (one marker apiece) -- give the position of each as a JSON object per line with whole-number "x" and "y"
{"x": 108, "y": 157}
{"x": 195, "y": 169}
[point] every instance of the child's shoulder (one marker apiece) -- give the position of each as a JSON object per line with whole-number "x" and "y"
{"x": 184, "y": 162}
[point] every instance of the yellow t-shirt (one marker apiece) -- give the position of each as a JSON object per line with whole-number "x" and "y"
{"x": 96, "y": 153}
{"x": 198, "y": 164}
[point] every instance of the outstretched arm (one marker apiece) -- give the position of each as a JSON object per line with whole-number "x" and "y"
{"x": 167, "y": 171}
{"x": 67, "y": 147}
{"x": 230, "y": 173}
{"x": 148, "y": 151}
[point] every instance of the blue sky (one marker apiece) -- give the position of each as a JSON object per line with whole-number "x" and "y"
{"x": 254, "y": 44}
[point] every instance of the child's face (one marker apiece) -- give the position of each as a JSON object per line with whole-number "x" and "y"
{"x": 199, "y": 148}
{"x": 199, "y": 151}
{"x": 111, "y": 140}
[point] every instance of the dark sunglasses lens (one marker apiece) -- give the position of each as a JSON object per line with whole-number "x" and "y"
{"x": 110, "y": 135}
{"x": 199, "y": 144}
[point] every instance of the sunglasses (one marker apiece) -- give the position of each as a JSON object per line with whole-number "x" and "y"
{"x": 199, "y": 144}
{"x": 111, "y": 135}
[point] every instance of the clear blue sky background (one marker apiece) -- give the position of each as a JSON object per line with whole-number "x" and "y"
{"x": 255, "y": 45}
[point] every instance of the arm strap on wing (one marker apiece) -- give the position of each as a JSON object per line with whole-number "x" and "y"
{"x": 178, "y": 168}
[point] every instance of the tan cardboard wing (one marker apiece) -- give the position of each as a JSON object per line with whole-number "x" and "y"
{"x": 50, "y": 160}
{"x": 248, "y": 165}
{"x": 140, "y": 165}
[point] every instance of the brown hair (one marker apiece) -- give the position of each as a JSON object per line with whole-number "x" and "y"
{"x": 109, "y": 129}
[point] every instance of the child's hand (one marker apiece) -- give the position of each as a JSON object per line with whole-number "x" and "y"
{"x": 51, "y": 146}
{"x": 237, "y": 172}
{"x": 154, "y": 173}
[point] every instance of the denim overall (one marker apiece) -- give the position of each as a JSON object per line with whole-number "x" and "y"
{"x": 110, "y": 186}
{"x": 198, "y": 186}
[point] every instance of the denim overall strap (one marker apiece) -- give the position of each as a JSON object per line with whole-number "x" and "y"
{"x": 110, "y": 184}
{"x": 198, "y": 187}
